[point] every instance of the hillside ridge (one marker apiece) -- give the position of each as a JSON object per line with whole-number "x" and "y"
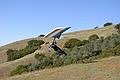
{"x": 8, "y": 66}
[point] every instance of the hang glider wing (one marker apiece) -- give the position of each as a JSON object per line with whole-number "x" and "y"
{"x": 56, "y": 33}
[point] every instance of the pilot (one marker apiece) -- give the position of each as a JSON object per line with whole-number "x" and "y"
{"x": 57, "y": 49}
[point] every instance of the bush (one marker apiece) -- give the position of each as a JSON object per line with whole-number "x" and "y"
{"x": 33, "y": 43}
{"x": 72, "y": 42}
{"x": 14, "y": 54}
{"x": 11, "y": 55}
{"x": 58, "y": 62}
{"x": 19, "y": 70}
{"x": 96, "y": 27}
{"x": 32, "y": 46}
{"x": 108, "y": 24}
{"x": 93, "y": 37}
{"x": 117, "y": 26}
{"x": 103, "y": 47}
{"x": 40, "y": 57}
{"x": 84, "y": 42}
{"x": 111, "y": 52}
{"x": 42, "y": 35}
{"x": 117, "y": 50}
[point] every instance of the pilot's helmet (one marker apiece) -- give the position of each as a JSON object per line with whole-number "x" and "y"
{"x": 52, "y": 45}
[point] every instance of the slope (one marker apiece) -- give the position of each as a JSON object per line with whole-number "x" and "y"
{"x": 6, "y": 67}
{"x": 84, "y": 34}
{"x": 105, "y": 69}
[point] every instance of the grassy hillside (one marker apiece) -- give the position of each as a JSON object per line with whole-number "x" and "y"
{"x": 6, "y": 67}
{"x": 17, "y": 46}
{"x": 84, "y": 34}
{"x": 105, "y": 69}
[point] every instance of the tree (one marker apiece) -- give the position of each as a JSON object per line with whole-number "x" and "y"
{"x": 42, "y": 35}
{"x": 19, "y": 70}
{"x": 84, "y": 42}
{"x": 72, "y": 42}
{"x": 40, "y": 57}
{"x": 93, "y": 37}
{"x": 96, "y": 27}
{"x": 33, "y": 43}
{"x": 11, "y": 54}
{"x": 117, "y": 26}
{"x": 107, "y": 24}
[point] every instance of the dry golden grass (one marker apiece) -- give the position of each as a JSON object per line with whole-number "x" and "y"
{"x": 102, "y": 70}
{"x": 84, "y": 34}
{"x": 17, "y": 46}
{"x": 6, "y": 67}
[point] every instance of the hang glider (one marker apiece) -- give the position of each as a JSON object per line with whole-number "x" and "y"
{"x": 56, "y": 33}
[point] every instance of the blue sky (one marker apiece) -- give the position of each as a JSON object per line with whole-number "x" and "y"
{"x": 21, "y": 19}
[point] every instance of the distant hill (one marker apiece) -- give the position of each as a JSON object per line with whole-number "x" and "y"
{"x": 7, "y": 67}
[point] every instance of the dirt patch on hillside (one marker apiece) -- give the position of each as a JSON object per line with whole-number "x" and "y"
{"x": 99, "y": 78}
{"x": 112, "y": 65}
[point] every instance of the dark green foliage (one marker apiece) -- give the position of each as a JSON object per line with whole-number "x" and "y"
{"x": 93, "y": 37}
{"x": 58, "y": 62}
{"x": 42, "y": 35}
{"x": 47, "y": 43}
{"x": 111, "y": 52}
{"x": 99, "y": 48}
{"x": 117, "y": 26}
{"x": 44, "y": 61}
{"x": 14, "y": 54}
{"x": 110, "y": 42}
{"x": 96, "y": 47}
{"x": 95, "y": 53}
{"x": 23, "y": 69}
{"x": 107, "y": 24}
{"x": 96, "y": 27}
{"x": 33, "y": 43}
{"x": 117, "y": 50}
{"x": 40, "y": 57}
{"x": 68, "y": 60}
{"x": 32, "y": 46}
{"x": 84, "y": 42}
{"x": 11, "y": 55}
{"x": 72, "y": 42}
{"x": 19, "y": 70}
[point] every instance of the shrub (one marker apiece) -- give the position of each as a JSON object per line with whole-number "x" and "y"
{"x": 68, "y": 61}
{"x": 19, "y": 70}
{"x": 84, "y": 42}
{"x": 40, "y": 57}
{"x": 12, "y": 55}
{"x": 111, "y": 52}
{"x": 58, "y": 62}
{"x": 32, "y": 46}
{"x": 103, "y": 47}
{"x": 117, "y": 50}
{"x": 72, "y": 42}
{"x": 87, "y": 61}
{"x": 33, "y": 43}
{"x": 117, "y": 26}
{"x": 42, "y": 35}
{"x": 108, "y": 24}
{"x": 96, "y": 27}
{"x": 93, "y": 37}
